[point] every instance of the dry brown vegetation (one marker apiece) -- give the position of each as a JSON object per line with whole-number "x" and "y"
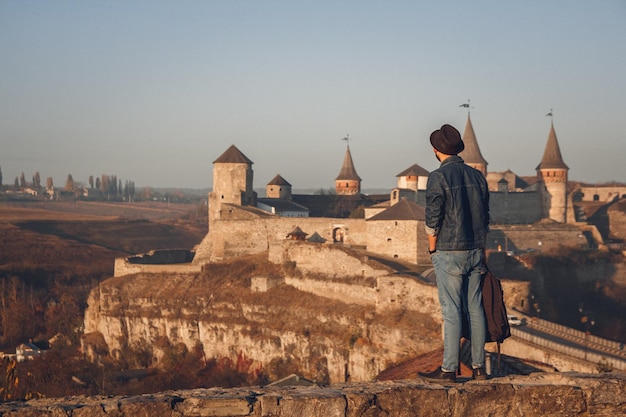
{"x": 53, "y": 253}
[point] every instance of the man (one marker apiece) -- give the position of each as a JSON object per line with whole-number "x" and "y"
{"x": 457, "y": 221}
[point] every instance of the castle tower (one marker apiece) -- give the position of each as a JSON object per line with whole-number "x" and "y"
{"x": 471, "y": 154}
{"x": 348, "y": 181}
{"x": 552, "y": 172}
{"x": 232, "y": 182}
{"x": 413, "y": 178}
{"x": 278, "y": 187}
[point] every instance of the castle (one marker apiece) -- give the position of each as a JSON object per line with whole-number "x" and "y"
{"x": 527, "y": 213}
{"x": 240, "y": 222}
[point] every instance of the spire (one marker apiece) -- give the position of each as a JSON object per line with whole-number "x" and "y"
{"x": 471, "y": 154}
{"x": 552, "y": 158}
{"x": 348, "y": 172}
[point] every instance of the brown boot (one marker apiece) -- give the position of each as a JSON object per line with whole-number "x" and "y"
{"x": 479, "y": 374}
{"x": 438, "y": 376}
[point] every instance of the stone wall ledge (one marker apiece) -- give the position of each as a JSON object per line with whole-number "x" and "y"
{"x": 539, "y": 394}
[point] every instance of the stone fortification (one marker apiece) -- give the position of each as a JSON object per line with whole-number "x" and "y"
{"x": 245, "y": 231}
{"x": 123, "y": 267}
{"x": 604, "y": 193}
{"x": 157, "y": 262}
{"x": 403, "y": 240}
{"x": 331, "y": 260}
{"x": 539, "y": 394}
{"x": 361, "y": 280}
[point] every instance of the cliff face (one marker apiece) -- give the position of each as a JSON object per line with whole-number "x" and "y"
{"x": 278, "y": 332}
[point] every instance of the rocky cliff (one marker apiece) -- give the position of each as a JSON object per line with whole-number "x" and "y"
{"x": 280, "y": 331}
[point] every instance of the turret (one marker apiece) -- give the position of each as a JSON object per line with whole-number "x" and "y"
{"x": 552, "y": 172}
{"x": 232, "y": 182}
{"x": 413, "y": 178}
{"x": 348, "y": 181}
{"x": 278, "y": 187}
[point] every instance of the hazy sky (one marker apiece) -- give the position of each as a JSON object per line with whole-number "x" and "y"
{"x": 154, "y": 91}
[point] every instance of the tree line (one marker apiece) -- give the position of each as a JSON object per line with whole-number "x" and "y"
{"x": 104, "y": 186}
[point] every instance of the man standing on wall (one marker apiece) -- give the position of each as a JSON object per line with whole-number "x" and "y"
{"x": 457, "y": 221}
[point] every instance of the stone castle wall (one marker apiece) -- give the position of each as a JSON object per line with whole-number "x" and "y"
{"x": 123, "y": 267}
{"x": 328, "y": 259}
{"x": 243, "y": 231}
{"x": 356, "y": 282}
{"x": 601, "y": 193}
{"x": 540, "y": 237}
{"x": 403, "y": 240}
{"x": 249, "y": 231}
{"x": 515, "y": 207}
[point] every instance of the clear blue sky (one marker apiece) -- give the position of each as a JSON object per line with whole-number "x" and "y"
{"x": 154, "y": 91}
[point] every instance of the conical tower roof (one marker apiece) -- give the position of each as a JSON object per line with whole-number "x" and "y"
{"x": 471, "y": 154}
{"x": 232, "y": 155}
{"x": 348, "y": 172}
{"x": 414, "y": 171}
{"x": 552, "y": 158}
{"x": 279, "y": 180}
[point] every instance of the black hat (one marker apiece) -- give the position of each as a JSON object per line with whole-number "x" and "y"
{"x": 447, "y": 140}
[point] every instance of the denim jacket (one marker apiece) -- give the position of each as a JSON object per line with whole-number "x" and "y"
{"x": 457, "y": 206}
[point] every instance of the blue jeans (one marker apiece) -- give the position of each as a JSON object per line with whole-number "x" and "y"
{"x": 459, "y": 286}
